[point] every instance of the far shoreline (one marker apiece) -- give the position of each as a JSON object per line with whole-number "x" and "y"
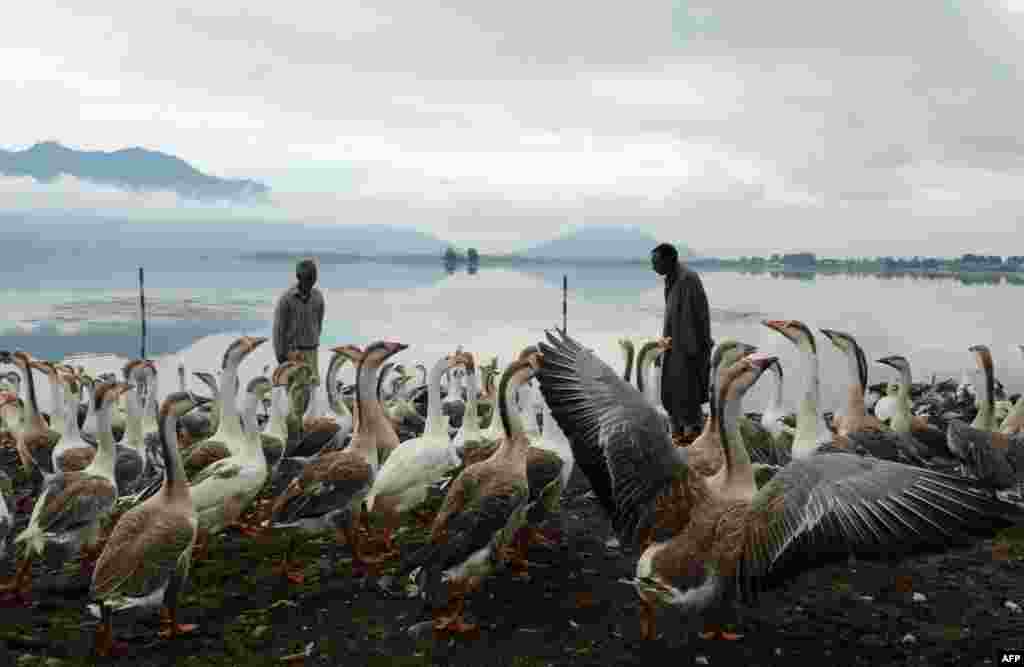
{"x": 697, "y": 263}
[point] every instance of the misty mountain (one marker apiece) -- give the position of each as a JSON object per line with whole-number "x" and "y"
{"x": 602, "y": 242}
{"x": 238, "y": 237}
{"x": 135, "y": 169}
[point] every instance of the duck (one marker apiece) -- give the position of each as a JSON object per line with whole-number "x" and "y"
{"x": 483, "y": 510}
{"x": 402, "y": 482}
{"x": 147, "y": 557}
{"x": 330, "y": 491}
{"x": 628, "y": 352}
{"x": 739, "y": 535}
{"x": 1014, "y": 421}
{"x": 223, "y": 490}
{"x": 72, "y": 505}
{"x": 229, "y": 439}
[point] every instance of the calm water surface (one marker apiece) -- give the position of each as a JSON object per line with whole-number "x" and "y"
{"x": 63, "y": 303}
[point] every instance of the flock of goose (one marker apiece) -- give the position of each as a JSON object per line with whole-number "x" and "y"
{"x": 139, "y": 486}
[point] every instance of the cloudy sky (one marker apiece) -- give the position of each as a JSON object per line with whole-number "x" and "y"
{"x": 848, "y": 128}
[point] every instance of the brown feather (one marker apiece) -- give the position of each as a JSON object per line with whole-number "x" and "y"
{"x": 77, "y": 484}
{"x": 133, "y": 540}
{"x": 76, "y": 458}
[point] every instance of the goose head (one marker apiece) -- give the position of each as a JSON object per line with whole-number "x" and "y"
{"x": 239, "y": 350}
{"x": 795, "y": 331}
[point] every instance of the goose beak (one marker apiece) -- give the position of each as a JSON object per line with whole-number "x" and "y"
{"x": 888, "y": 361}
{"x": 253, "y": 343}
{"x": 395, "y": 348}
{"x": 761, "y": 361}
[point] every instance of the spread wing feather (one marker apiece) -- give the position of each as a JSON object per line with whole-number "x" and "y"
{"x": 861, "y": 505}
{"x": 617, "y": 438}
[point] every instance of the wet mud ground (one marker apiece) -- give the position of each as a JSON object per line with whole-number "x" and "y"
{"x": 861, "y": 613}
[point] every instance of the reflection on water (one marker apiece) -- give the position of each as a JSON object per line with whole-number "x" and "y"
{"x": 498, "y": 310}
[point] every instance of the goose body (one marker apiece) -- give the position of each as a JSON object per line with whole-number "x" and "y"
{"x": 332, "y": 486}
{"x": 222, "y": 491}
{"x": 147, "y": 558}
{"x": 71, "y": 505}
{"x": 229, "y": 439}
{"x": 404, "y": 478}
{"x": 734, "y": 535}
{"x": 483, "y": 510}
{"x": 1014, "y": 421}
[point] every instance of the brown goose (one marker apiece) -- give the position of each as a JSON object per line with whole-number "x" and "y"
{"x": 738, "y": 535}
{"x": 36, "y": 440}
{"x": 330, "y": 490}
{"x": 484, "y": 508}
{"x": 735, "y": 535}
{"x": 147, "y": 557}
{"x": 72, "y": 505}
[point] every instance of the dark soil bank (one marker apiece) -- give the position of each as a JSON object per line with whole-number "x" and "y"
{"x": 955, "y": 608}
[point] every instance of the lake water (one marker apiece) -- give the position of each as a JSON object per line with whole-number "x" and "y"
{"x": 57, "y": 303}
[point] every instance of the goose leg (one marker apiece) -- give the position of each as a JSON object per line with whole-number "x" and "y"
{"x": 21, "y": 583}
{"x": 449, "y": 620}
{"x": 294, "y": 573}
{"x": 169, "y": 618}
{"x": 361, "y": 563}
{"x": 648, "y": 619}
{"x": 105, "y": 645}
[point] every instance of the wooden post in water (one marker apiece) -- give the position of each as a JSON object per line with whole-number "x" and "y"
{"x": 142, "y": 310}
{"x": 565, "y": 291}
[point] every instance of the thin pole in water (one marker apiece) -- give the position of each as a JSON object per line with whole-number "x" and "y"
{"x": 565, "y": 291}
{"x": 142, "y": 309}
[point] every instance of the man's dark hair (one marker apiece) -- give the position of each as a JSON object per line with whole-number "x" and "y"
{"x": 667, "y": 250}
{"x": 308, "y": 264}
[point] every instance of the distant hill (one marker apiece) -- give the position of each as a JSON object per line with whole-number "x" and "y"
{"x": 594, "y": 242}
{"x": 136, "y": 169}
{"x": 239, "y": 237}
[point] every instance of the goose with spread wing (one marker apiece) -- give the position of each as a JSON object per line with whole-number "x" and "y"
{"x": 736, "y": 535}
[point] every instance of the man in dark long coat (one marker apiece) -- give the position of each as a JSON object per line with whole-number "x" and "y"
{"x": 686, "y": 365}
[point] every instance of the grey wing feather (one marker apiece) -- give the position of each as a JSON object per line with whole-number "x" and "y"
{"x": 78, "y": 511}
{"x": 864, "y": 505}
{"x": 323, "y": 498}
{"x": 617, "y": 438}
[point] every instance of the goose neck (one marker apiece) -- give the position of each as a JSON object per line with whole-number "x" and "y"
{"x": 434, "y": 392}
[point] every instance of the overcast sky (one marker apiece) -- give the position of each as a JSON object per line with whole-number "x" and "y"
{"x": 848, "y": 128}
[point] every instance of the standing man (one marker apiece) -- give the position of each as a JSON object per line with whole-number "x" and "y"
{"x": 686, "y": 365}
{"x": 299, "y": 318}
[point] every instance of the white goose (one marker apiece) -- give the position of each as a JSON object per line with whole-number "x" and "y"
{"x": 223, "y": 490}
{"x": 229, "y": 439}
{"x": 1014, "y": 421}
{"x": 402, "y": 482}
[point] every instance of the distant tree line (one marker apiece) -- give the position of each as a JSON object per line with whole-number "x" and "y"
{"x": 808, "y": 260}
